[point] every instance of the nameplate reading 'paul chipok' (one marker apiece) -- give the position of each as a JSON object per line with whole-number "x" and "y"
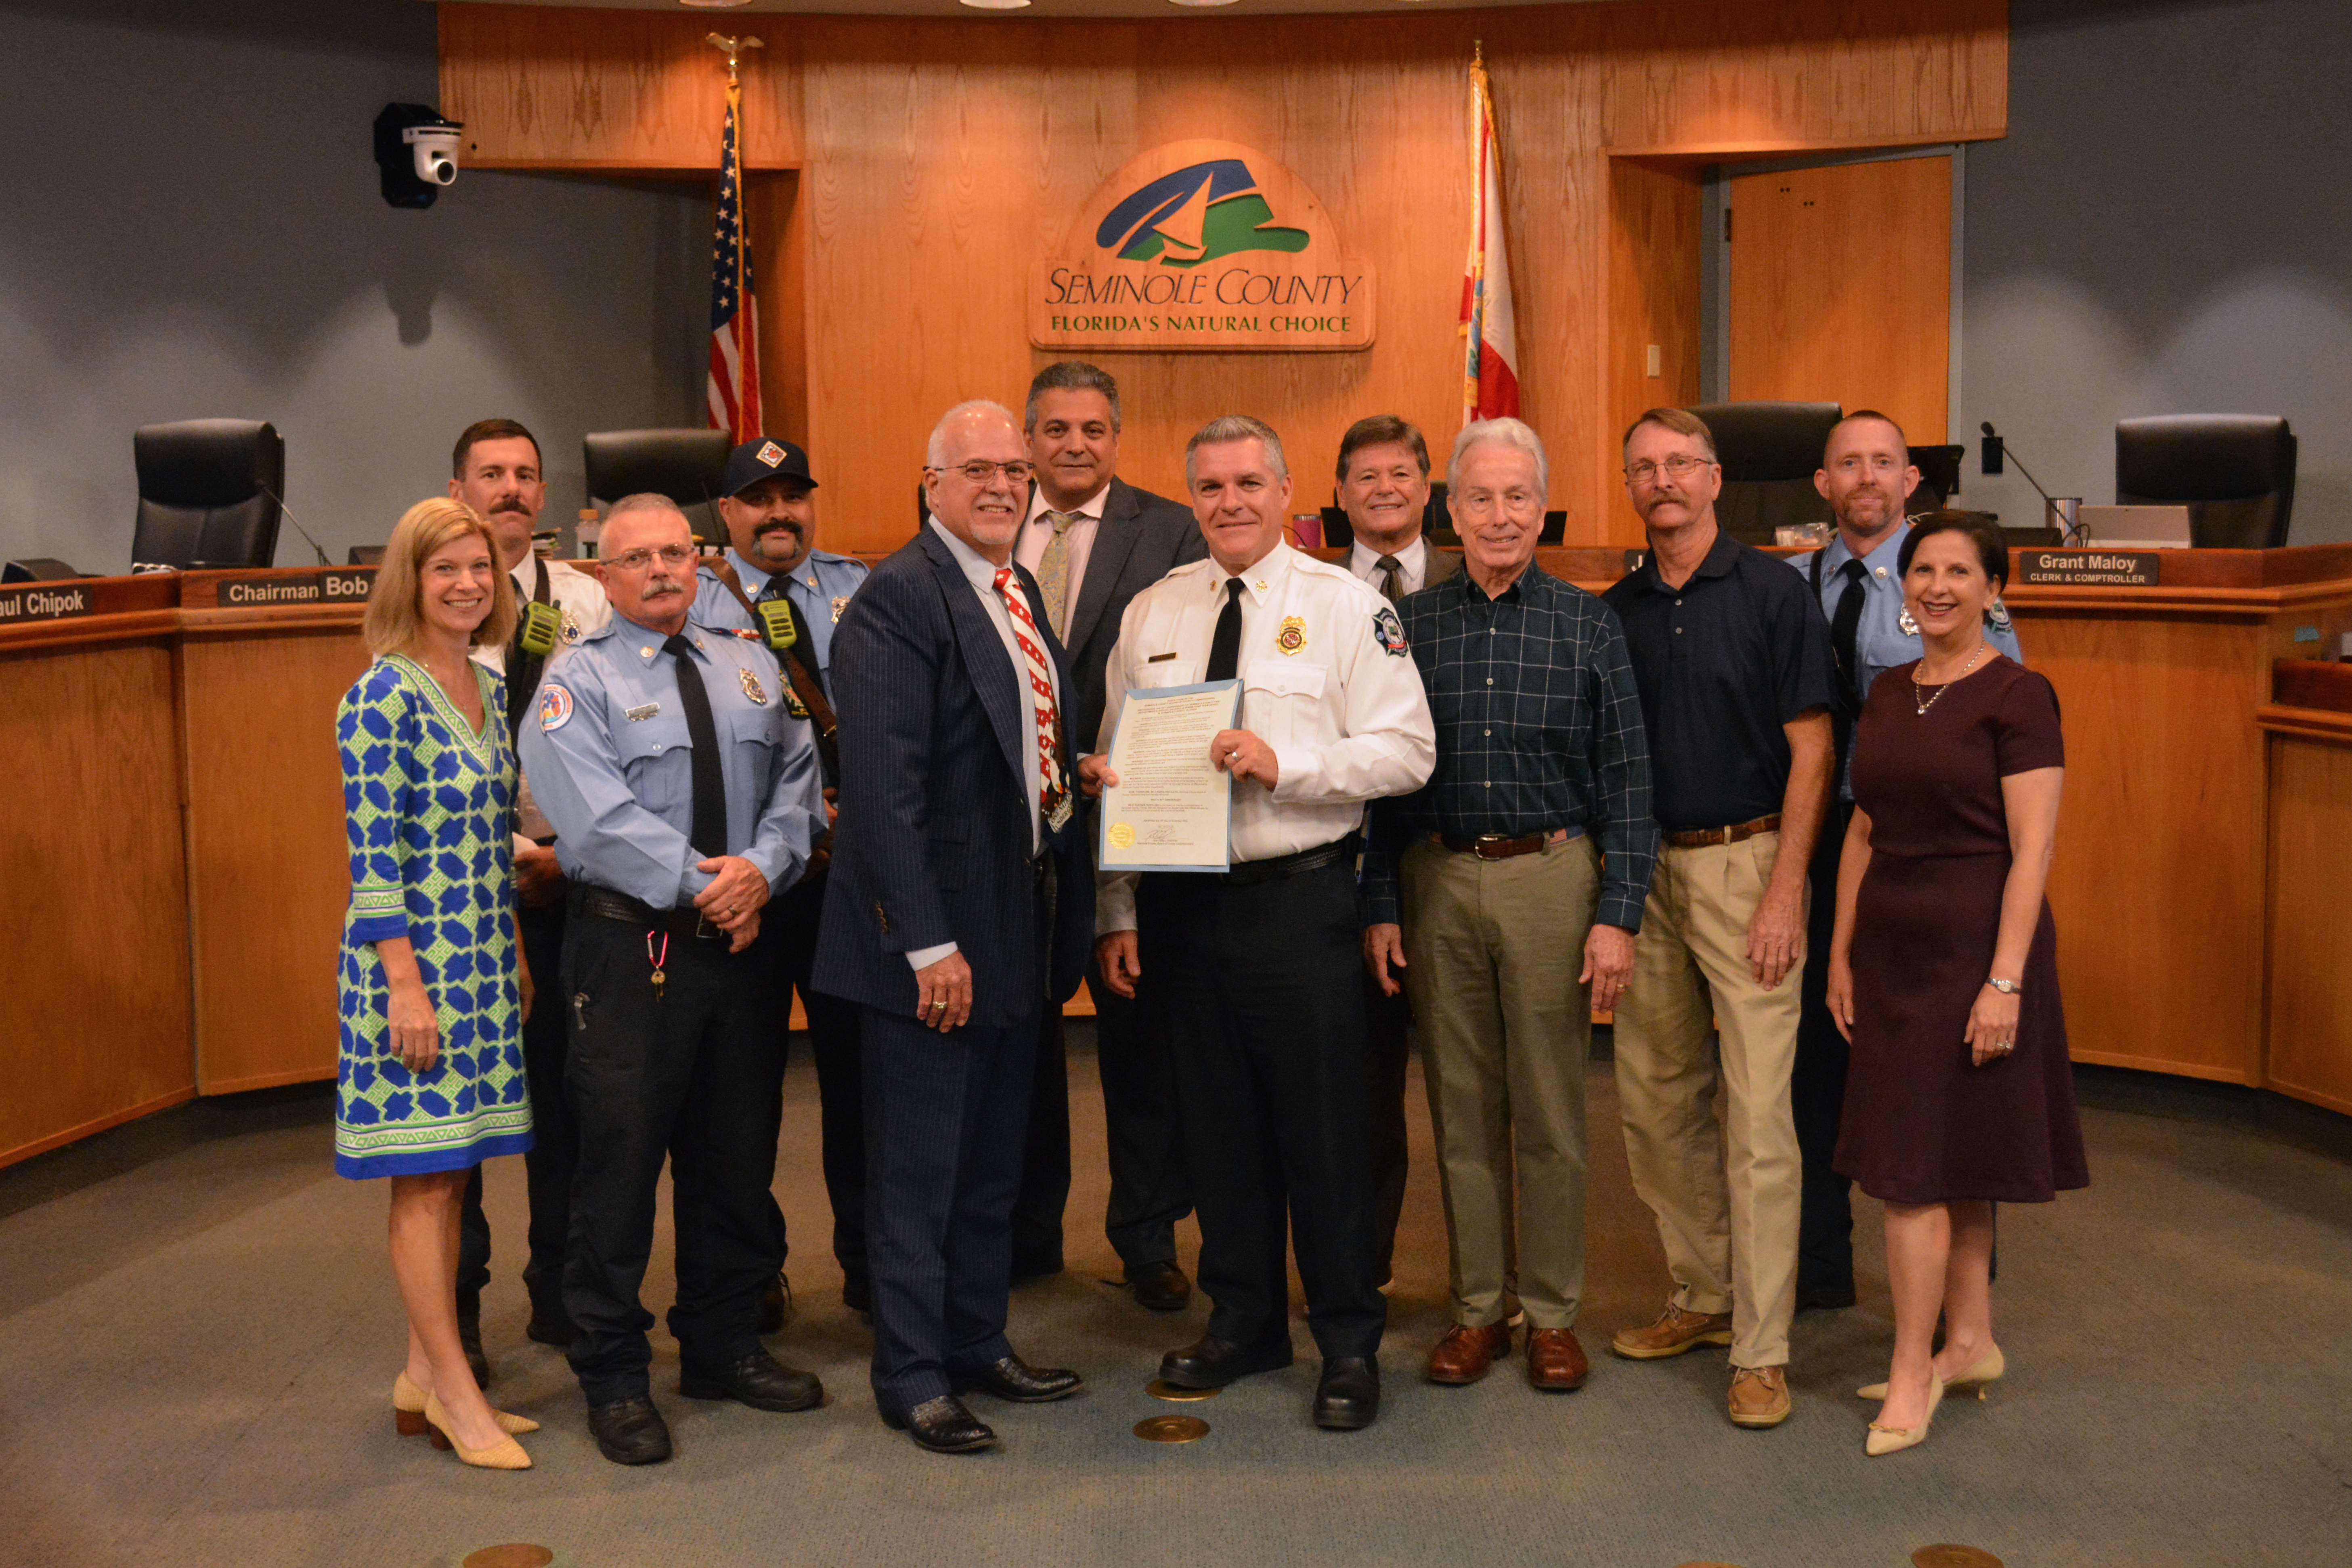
{"x": 42, "y": 602}
{"x": 1203, "y": 245}
{"x": 328, "y": 587}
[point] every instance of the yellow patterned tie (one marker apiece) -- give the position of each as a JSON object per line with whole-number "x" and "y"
{"x": 1054, "y": 571}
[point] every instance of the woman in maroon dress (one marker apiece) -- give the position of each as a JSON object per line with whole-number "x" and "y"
{"x": 1944, "y": 967}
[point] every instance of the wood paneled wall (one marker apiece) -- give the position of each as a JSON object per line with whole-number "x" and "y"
{"x": 938, "y": 158}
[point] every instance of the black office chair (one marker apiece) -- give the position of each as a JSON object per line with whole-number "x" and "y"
{"x": 208, "y": 493}
{"x": 2235, "y": 472}
{"x": 687, "y": 466}
{"x": 1769, "y": 453}
{"x": 1940, "y": 477}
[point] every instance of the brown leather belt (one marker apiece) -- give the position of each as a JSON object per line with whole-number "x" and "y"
{"x": 607, "y": 904}
{"x": 1494, "y": 846}
{"x": 1700, "y": 838}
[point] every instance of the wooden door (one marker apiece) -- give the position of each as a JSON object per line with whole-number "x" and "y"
{"x": 1840, "y": 289}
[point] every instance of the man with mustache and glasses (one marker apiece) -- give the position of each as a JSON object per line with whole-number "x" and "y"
{"x": 1867, "y": 477}
{"x": 495, "y": 469}
{"x": 770, "y": 511}
{"x": 683, "y": 792}
{"x": 1732, "y": 661}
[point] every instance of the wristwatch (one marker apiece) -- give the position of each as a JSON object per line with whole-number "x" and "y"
{"x": 2005, "y": 987}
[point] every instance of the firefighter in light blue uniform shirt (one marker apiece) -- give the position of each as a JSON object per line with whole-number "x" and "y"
{"x": 769, "y": 507}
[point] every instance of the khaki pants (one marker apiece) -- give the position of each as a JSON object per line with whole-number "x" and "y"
{"x": 1493, "y": 948}
{"x": 1724, "y": 1186}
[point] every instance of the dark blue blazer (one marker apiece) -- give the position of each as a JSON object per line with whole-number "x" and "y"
{"x": 935, "y": 768}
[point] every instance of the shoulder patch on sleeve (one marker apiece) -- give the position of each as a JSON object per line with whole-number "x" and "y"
{"x": 554, "y": 707}
{"x": 1389, "y": 631}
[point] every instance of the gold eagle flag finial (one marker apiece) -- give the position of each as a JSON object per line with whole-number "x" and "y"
{"x": 734, "y": 48}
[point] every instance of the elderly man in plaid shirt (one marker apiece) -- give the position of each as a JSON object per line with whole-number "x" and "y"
{"x": 1508, "y": 889}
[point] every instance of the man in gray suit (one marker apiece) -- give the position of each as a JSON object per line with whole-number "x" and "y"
{"x": 1094, "y": 542}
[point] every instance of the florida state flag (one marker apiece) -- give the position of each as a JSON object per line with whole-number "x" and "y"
{"x": 1490, "y": 375}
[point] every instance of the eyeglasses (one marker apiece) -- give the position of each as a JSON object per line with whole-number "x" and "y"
{"x": 1480, "y": 503}
{"x": 1679, "y": 466}
{"x": 980, "y": 470}
{"x": 638, "y": 560}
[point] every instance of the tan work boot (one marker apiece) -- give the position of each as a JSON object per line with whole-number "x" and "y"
{"x": 1759, "y": 1396}
{"x": 1675, "y": 1332}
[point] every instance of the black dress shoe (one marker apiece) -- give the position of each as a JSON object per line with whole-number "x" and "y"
{"x": 1825, "y": 1298}
{"x": 775, "y": 1304}
{"x": 858, "y": 1295}
{"x": 943, "y": 1425}
{"x": 551, "y": 1329}
{"x": 469, "y": 1339}
{"x": 1015, "y": 1380}
{"x": 1349, "y": 1396}
{"x": 1210, "y": 1362}
{"x": 630, "y": 1431}
{"x": 759, "y": 1380}
{"x": 1160, "y": 1287}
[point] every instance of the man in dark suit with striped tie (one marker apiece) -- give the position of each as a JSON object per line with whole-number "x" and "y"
{"x": 956, "y": 919}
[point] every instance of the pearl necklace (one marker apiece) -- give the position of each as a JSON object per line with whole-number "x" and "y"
{"x": 1927, "y": 702}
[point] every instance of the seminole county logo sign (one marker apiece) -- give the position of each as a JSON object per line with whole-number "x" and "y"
{"x": 1201, "y": 245}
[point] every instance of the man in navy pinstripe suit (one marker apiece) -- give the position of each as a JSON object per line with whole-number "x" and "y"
{"x": 943, "y": 921}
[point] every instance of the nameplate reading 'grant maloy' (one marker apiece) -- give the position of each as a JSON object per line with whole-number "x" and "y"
{"x": 1203, "y": 245}
{"x": 327, "y": 586}
{"x": 23, "y": 606}
{"x": 2089, "y": 568}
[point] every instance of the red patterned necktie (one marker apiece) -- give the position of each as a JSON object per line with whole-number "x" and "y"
{"x": 1053, "y": 790}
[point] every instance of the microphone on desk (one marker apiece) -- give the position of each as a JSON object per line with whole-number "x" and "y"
{"x": 287, "y": 512}
{"x": 1994, "y": 450}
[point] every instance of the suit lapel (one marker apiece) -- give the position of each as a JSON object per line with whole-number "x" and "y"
{"x": 1115, "y": 538}
{"x": 984, "y": 654}
{"x": 1440, "y": 564}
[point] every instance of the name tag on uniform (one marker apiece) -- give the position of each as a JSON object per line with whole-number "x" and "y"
{"x": 1160, "y": 659}
{"x": 642, "y": 711}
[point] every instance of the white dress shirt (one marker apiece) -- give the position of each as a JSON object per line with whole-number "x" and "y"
{"x": 1343, "y": 708}
{"x": 1413, "y": 561}
{"x": 1078, "y": 540}
{"x": 580, "y": 598}
{"x": 980, "y": 572}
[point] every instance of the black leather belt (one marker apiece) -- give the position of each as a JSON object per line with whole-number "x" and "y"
{"x": 607, "y": 904}
{"x": 1248, "y": 873}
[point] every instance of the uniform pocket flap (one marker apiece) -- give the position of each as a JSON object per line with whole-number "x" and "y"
{"x": 1282, "y": 677}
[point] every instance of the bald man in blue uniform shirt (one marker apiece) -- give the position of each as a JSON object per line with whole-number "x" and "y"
{"x": 682, "y": 793}
{"x": 1867, "y": 477}
{"x": 770, "y": 510}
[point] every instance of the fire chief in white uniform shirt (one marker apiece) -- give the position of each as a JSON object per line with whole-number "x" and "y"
{"x": 1258, "y": 966}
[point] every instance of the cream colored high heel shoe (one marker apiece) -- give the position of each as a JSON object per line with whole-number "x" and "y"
{"x": 408, "y": 1411}
{"x": 1885, "y": 1440}
{"x": 1988, "y": 1370}
{"x": 506, "y": 1453}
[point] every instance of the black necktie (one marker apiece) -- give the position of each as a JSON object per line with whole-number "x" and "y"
{"x": 710, "y": 834}
{"x": 1844, "y": 622}
{"x": 1392, "y": 572}
{"x": 1225, "y": 646}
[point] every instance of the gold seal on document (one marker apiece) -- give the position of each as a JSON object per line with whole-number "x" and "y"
{"x": 1292, "y": 637}
{"x": 1171, "y": 1430}
{"x": 1121, "y": 836}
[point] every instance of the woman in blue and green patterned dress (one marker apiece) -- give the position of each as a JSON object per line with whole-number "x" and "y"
{"x": 430, "y": 1080}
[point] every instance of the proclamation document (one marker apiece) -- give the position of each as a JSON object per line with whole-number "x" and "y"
{"x": 1171, "y": 809}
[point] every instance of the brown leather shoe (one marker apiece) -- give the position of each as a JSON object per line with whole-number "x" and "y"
{"x": 1759, "y": 1396}
{"x": 1555, "y": 1361}
{"x": 1465, "y": 1353}
{"x": 1675, "y": 1332}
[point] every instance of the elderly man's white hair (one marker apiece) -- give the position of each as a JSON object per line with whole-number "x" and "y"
{"x": 935, "y": 454}
{"x": 645, "y": 501}
{"x": 1512, "y": 433}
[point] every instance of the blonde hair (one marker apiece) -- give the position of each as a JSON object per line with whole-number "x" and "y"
{"x": 395, "y": 620}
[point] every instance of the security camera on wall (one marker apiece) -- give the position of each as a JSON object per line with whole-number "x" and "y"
{"x": 417, "y": 152}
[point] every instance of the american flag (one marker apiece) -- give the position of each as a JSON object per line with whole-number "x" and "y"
{"x": 734, "y": 318}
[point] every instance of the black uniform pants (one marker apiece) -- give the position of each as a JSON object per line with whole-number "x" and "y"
{"x": 1264, "y": 996}
{"x": 1388, "y": 1055}
{"x": 1151, "y": 1182}
{"x": 1817, "y": 1085}
{"x": 946, "y": 1116}
{"x": 694, "y": 1075}
{"x": 789, "y": 923}
{"x": 556, "y": 1141}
